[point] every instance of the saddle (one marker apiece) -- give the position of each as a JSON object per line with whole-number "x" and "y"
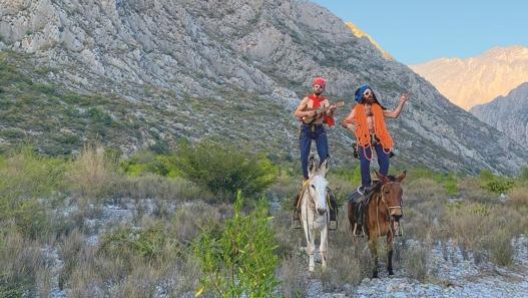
{"x": 359, "y": 202}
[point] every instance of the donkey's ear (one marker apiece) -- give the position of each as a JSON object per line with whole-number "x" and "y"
{"x": 402, "y": 176}
{"x": 312, "y": 166}
{"x": 382, "y": 178}
{"x": 325, "y": 165}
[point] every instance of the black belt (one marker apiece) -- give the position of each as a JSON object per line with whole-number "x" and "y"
{"x": 313, "y": 127}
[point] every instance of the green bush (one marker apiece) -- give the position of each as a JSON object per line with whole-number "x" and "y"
{"x": 451, "y": 185}
{"x": 144, "y": 162}
{"x": 131, "y": 245}
{"x": 241, "y": 261}
{"x": 486, "y": 175}
{"x": 225, "y": 170}
{"x": 349, "y": 173}
{"x": 499, "y": 185}
{"x": 495, "y": 184}
{"x": 27, "y": 179}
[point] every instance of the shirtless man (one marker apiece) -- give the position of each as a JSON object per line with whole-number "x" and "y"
{"x": 367, "y": 122}
{"x": 312, "y": 128}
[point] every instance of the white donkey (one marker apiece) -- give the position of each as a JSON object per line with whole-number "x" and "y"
{"x": 315, "y": 214}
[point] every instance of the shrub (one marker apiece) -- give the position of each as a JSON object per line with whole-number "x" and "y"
{"x": 499, "y": 185}
{"x": 523, "y": 176}
{"x": 495, "y": 184}
{"x": 20, "y": 259}
{"x": 92, "y": 173}
{"x": 241, "y": 261}
{"x": 144, "y": 162}
{"x": 416, "y": 263}
{"x": 225, "y": 170}
{"x": 499, "y": 247}
{"x": 27, "y": 179}
{"x": 129, "y": 243}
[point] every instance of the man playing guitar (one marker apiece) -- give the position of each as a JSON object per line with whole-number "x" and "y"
{"x": 312, "y": 128}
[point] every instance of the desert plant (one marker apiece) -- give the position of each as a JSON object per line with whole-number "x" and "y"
{"x": 20, "y": 259}
{"x": 242, "y": 260}
{"x": 91, "y": 173}
{"x": 499, "y": 185}
{"x": 495, "y": 184}
{"x": 225, "y": 170}
{"x": 144, "y": 162}
{"x": 27, "y": 179}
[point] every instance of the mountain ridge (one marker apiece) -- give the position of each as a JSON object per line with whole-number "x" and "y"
{"x": 195, "y": 70}
{"x": 509, "y": 114}
{"x": 479, "y": 79}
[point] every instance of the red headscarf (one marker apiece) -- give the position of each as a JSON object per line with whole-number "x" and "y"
{"x": 319, "y": 81}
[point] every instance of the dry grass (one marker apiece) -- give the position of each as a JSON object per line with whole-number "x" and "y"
{"x": 293, "y": 277}
{"x": 91, "y": 175}
{"x": 414, "y": 260}
{"x": 518, "y": 198}
{"x": 174, "y": 213}
{"x": 161, "y": 188}
{"x": 20, "y": 260}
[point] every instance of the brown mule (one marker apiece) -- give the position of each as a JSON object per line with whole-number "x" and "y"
{"x": 382, "y": 212}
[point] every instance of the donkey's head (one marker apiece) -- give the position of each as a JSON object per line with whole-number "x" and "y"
{"x": 318, "y": 183}
{"x": 391, "y": 193}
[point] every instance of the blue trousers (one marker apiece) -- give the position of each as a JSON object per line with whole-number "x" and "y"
{"x": 383, "y": 161}
{"x": 308, "y": 133}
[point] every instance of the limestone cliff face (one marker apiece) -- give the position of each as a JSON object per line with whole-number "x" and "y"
{"x": 477, "y": 80}
{"x": 509, "y": 114}
{"x": 237, "y": 69}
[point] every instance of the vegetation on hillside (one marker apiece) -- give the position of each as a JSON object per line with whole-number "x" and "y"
{"x": 55, "y": 121}
{"x": 126, "y": 227}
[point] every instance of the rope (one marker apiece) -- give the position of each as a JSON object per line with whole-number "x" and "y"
{"x": 363, "y": 134}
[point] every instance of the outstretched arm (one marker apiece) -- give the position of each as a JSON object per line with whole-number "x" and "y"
{"x": 396, "y": 112}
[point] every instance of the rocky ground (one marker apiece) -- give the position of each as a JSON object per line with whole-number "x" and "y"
{"x": 453, "y": 275}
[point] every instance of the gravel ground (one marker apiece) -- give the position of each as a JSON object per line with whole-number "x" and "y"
{"x": 455, "y": 277}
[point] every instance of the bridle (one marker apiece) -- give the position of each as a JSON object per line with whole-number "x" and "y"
{"x": 389, "y": 208}
{"x": 384, "y": 200}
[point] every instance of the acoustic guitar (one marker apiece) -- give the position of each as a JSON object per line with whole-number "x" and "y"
{"x": 310, "y": 120}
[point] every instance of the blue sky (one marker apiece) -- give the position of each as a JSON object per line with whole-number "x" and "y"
{"x": 417, "y": 31}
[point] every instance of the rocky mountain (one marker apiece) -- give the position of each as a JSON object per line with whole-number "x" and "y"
{"x": 477, "y": 80}
{"x": 161, "y": 71}
{"x": 360, "y": 33}
{"x": 509, "y": 114}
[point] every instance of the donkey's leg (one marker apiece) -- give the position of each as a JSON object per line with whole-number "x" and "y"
{"x": 310, "y": 250}
{"x": 390, "y": 247}
{"x": 323, "y": 248}
{"x": 310, "y": 244}
{"x": 373, "y": 247}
